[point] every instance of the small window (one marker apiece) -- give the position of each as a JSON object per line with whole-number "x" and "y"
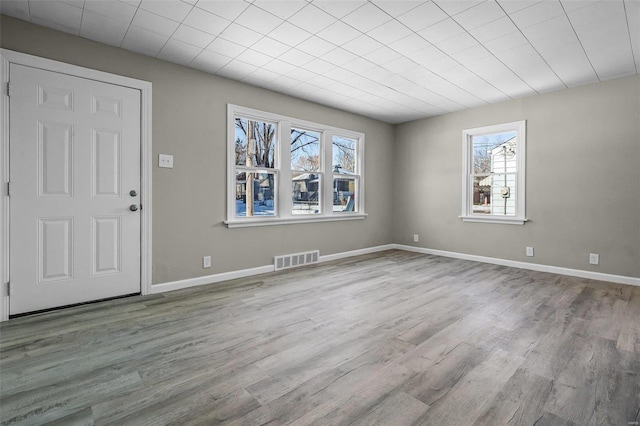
{"x": 306, "y": 171}
{"x": 345, "y": 177}
{"x": 494, "y": 173}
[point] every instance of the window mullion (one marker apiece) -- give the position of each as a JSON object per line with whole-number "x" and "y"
{"x": 285, "y": 200}
{"x": 327, "y": 167}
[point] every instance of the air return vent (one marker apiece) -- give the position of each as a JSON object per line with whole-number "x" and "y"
{"x": 297, "y": 259}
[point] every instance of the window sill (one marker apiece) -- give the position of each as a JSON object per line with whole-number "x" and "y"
{"x": 495, "y": 219}
{"x": 245, "y": 223}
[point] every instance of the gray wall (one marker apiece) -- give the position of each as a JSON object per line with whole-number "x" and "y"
{"x": 583, "y": 171}
{"x": 189, "y": 121}
{"x": 583, "y": 180}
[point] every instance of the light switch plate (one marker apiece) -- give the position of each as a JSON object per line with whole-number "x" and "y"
{"x": 594, "y": 258}
{"x": 529, "y": 251}
{"x": 165, "y": 161}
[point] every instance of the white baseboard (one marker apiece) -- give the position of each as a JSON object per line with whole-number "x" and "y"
{"x": 210, "y": 279}
{"x": 344, "y": 254}
{"x": 242, "y": 273}
{"x": 224, "y": 276}
{"x": 620, "y": 279}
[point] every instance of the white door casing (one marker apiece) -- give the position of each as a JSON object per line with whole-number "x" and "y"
{"x": 75, "y": 146}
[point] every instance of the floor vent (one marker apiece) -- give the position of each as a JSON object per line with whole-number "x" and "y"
{"x": 297, "y": 259}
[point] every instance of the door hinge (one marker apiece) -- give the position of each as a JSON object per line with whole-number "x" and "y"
{"x": 9, "y": 288}
{"x": 9, "y": 189}
{"x": 8, "y": 89}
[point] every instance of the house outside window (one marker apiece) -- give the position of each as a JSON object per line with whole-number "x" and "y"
{"x": 493, "y": 188}
{"x": 285, "y": 170}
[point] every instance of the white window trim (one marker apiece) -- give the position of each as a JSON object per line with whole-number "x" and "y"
{"x": 284, "y": 203}
{"x": 467, "y": 188}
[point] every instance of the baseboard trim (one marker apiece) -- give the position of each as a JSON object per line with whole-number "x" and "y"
{"x": 619, "y": 279}
{"x": 242, "y": 273}
{"x": 359, "y": 252}
{"x": 210, "y": 279}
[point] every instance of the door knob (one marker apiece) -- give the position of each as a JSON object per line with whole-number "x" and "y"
{"x": 133, "y": 193}
{"x": 133, "y": 207}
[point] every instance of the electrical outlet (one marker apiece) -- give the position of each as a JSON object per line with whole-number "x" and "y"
{"x": 165, "y": 161}
{"x": 206, "y": 262}
{"x": 415, "y": 238}
{"x": 594, "y": 258}
{"x": 529, "y": 251}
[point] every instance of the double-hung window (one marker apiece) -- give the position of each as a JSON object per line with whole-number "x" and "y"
{"x": 285, "y": 170}
{"x": 493, "y": 181}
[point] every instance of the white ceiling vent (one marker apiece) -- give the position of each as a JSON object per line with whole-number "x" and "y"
{"x": 298, "y": 259}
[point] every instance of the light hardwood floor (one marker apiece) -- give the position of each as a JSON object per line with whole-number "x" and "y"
{"x": 392, "y": 338}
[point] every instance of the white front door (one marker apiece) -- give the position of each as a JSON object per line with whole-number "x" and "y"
{"x": 75, "y": 177}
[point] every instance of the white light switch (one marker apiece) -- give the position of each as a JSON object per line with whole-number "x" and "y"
{"x": 165, "y": 160}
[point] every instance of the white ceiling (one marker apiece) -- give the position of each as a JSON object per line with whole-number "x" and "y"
{"x": 393, "y": 60}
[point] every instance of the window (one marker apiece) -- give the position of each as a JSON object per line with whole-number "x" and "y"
{"x": 284, "y": 170}
{"x": 493, "y": 182}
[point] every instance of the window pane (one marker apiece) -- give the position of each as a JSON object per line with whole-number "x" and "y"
{"x": 259, "y": 151}
{"x": 344, "y": 190}
{"x": 305, "y": 150}
{"x": 494, "y": 195}
{"x": 256, "y": 187}
{"x": 494, "y": 153}
{"x": 344, "y": 155}
{"x": 306, "y": 193}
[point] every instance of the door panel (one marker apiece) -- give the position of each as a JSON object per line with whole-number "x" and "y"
{"x": 74, "y": 158}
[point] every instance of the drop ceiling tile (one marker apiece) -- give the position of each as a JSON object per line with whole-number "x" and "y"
{"x": 603, "y": 32}
{"x": 283, "y": 9}
{"x": 56, "y": 15}
{"x": 240, "y": 35}
{"x": 18, "y": 9}
{"x": 377, "y": 73}
{"x": 100, "y": 28}
{"x": 454, "y": 7}
{"x": 382, "y": 56}
{"x": 289, "y": 34}
{"x": 296, "y": 57}
{"x": 339, "y": 56}
{"x": 339, "y": 33}
{"x": 316, "y": 46}
{"x": 312, "y": 19}
{"x": 389, "y": 32}
{"x": 206, "y": 21}
{"x": 279, "y": 67}
{"x": 225, "y": 47}
{"x": 319, "y": 66}
{"x": 458, "y": 43}
{"x": 633, "y": 18}
{"x": 172, "y": 9}
{"x": 320, "y": 81}
{"x": 228, "y": 9}
{"x": 501, "y": 77}
{"x": 115, "y": 10}
{"x": 270, "y": 47}
{"x": 143, "y": 41}
{"x": 410, "y": 44}
{"x": 396, "y": 8}
{"x": 479, "y": 15}
{"x": 530, "y": 67}
{"x": 179, "y": 52}
{"x": 506, "y": 42}
{"x": 301, "y": 74}
{"x": 441, "y": 31}
{"x": 135, "y": 3}
{"x": 362, "y": 45}
{"x": 572, "y": 5}
{"x": 261, "y": 76}
{"x": 210, "y": 62}
{"x": 366, "y": 18}
{"x": 75, "y": 3}
{"x": 339, "y": 75}
{"x": 156, "y": 23}
{"x": 539, "y": 12}
{"x": 422, "y": 16}
{"x": 493, "y": 30}
{"x": 430, "y": 56}
{"x": 512, "y": 6}
{"x": 283, "y": 83}
{"x": 258, "y": 20}
{"x": 338, "y": 8}
{"x": 472, "y": 54}
{"x": 570, "y": 63}
{"x": 359, "y": 65}
{"x": 236, "y": 70}
{"x": 401, "y": 66}
{"x": 254, "y": 57}
{"x": 193, "y": 36}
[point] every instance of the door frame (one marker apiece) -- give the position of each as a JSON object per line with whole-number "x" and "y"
{"x": 8, "y": 57}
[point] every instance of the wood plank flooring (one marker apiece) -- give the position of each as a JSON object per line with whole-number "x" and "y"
{"x": 392, "y": 338}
